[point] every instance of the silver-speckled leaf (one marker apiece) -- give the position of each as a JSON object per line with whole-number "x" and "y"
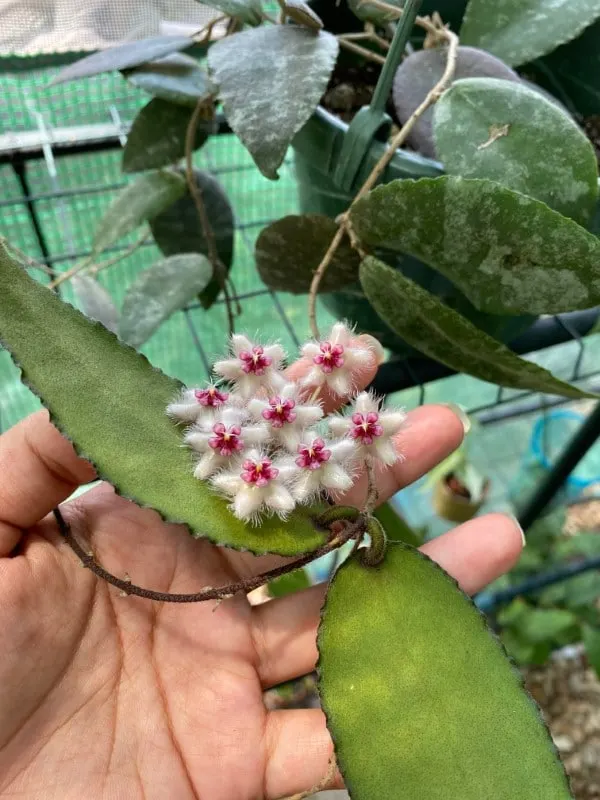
{"x": 270, "y": 81}
{"x": 95, "y": 302}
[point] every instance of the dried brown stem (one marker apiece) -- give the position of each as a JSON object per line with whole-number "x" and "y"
{"x": 361, "y": 51}
{"x": 220, "y": 593}
{"x": 344, "y": 220}
{"x": 219, "y": 270}
{"x": 366, "y": 36}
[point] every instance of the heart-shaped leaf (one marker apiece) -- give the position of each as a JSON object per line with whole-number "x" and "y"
{"x": 418, "y": 74}
{"x": 157, "y": 136}
{"x": 509, "y": 254}
{"x": 289, "y": 250}
{"x": 159, "y": 291}
{"x": 420, "y": 699}
{"x": 96, "y": 303}
{"x": 247, "y": 11}
{"x": 442, "y": 333}
{"x": 138, "y": 202}
{"x": 270, "y": 81}
{"x": 111, "y": 402}
{"x": 177, "y": 78}
{"x": 123, "y": 56}
{"x": 518, "y": 31}
{"x": 487, "y": 128}
{"x": 178, "y": 230}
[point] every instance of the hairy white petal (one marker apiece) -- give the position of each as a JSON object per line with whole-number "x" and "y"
{"x": 288, "y": 436}
{"x": 240, "y": 343}
{"x": 276, "y": 352}
{"x": 184, "y": 412}
{"x": 335, "y": 477}
{"x": 228, "y": 368}
{"x": 314, "y": 377}
{"x": 288, "y": 469}
{"x": 359, "y": 357}
{"x": 307, "y": 485}
{"x": 255, "y": 434}
{"x": 344, "y": 450}
{"x": 228, "y": 482}
{"x": 197, "y": 439}
{"x": 340, "y": 382}
{"x": 340, "y": 334}
{"x": 338, "y": 425}
{"x": 248, "y": 501}
{"x": 365, "y": 402}
{"x": 276, "y": 381}
{"x": 208, "y": 465}
{"x": 384, "y": 450}
{"x": 392, "y": 421}
{"x": 256, "y": 406}
{"x": 279, "y": 498}
{"x": 310, "y": 349}
{"x": 308, "y": 415}
{"x": 289, "y": 391}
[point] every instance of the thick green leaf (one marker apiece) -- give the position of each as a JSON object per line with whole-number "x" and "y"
{"x": 420, "y": 699}
{"x": 178, "y": 230}
{"x": 518, "y": 31}
{"x": 177, "y": 78}
{"x": 290, "y": 583}
{"x": 246, "y": 11}
{"x": 510, "y": 254}
{"x": 159, "y": 291}
{"x": 418, "y": 74}
{"x": 396, "y": 527}
{"x": 138, "y": 202}
{"x": 538, "y": 625}
{"x": 157, "y": 136}
{"x": 486, "y": 128}
{"x": 289, "y": 250}
{"x": 111, "y": 402}
{"x": 441, "y": 333}
{"x": 270, "y": 81}
{"x": 123, "y": 56}
{"x": 95, "y": 302}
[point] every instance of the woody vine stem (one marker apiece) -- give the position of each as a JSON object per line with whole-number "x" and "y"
{"x": 436, "y": 32}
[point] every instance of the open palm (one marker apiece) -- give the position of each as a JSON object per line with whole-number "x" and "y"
{"x": 110, "y": 696}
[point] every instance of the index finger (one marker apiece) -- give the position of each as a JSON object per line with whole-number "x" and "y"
{"x": 38, "y": 470}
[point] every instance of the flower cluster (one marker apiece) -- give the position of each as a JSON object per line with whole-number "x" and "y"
{"x": 264, "y": 442}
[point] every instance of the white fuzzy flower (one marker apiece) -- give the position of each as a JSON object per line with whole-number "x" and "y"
{"x": 192, "y": 404}
{"x": 222, "y": 438}
{"x": 285, "y": 416}
{"x": 322, "y": 466}
{"x": 371, "y": 429}
{"x": 257, "y": 484}
{"x": 251, "y": 366}
{"x": 335, "y": 359}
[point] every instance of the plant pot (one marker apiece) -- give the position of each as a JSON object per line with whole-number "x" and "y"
{"x": 316, "y": 152}
{"x": 452, "y": 506}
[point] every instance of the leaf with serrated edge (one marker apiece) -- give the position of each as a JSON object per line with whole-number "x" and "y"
{"x": 506, "y": 132}
{"x": 176, "y": 230}
{"x": 518, "y": 31}
{"x": 123, "y": 56}
{"x": 96, "y": 303}
{"x": 443, "y": 334}
{"x": 159, "y": 291}
{"x": 420, "y": 699}
{"x": 177, "y": 78}
{"x": 508, "y": 253}
{"x": 111, "y": 402}
{"x": 157, "y": 135}
{"x": 270, "y": 81}
{"x": 138, "y": 202}
{"x": 247, "y": 11}
{"x": 289, "y": 250}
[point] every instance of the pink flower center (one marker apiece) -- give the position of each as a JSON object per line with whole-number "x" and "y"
{"x": 313, "y": 455}
{"x": 255, "y": 362}
{"x": 331, "y": 356}
{"x": 365, "y": 427}
{"x": 258, "y": 472}
{"x": 226, "y": 441}
{"x": 210, "y": 396}
{"x": 280, "y": 412}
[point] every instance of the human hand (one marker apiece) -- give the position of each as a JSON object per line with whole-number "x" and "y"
{"x": 105, "y": 696}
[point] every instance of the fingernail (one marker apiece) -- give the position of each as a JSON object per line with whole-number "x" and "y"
{"x": 373, "y": 344}
{"x": 519, "y": 528}
{"x": 461, "y": 414}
